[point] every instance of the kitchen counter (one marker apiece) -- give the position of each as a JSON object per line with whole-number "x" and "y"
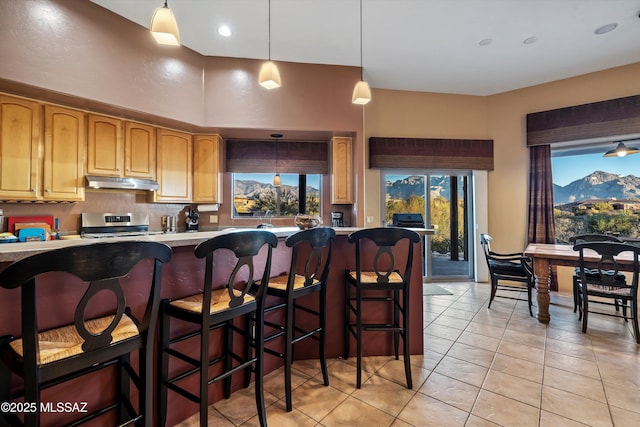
{"x": 10, "y": 252}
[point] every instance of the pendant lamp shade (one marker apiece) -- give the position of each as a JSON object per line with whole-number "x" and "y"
{"x": 164, "y": 27}
{"x": 276, "y": 180}
{"x": 621, "y": 150}
{"x": 269, "y": 75}
{"x": 361, "y": 93}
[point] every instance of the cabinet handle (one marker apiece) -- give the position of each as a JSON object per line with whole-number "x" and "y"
{"x": 117, "y": 169}
{"x": 127, "y": 169}
{"x": 33, "y": 190}
{"x": 46, "y": 190}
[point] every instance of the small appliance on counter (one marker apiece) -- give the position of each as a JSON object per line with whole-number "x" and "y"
{"x": 192, "y": 218}
{"x": 337, "y": 219}
{"x": 169, "y": 223}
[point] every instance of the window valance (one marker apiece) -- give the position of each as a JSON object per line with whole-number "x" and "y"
{"x": 430, "y": 153}
{"x": 611, "y": 118}
{"x": 259, "y": 156}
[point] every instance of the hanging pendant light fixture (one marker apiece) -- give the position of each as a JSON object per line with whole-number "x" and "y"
{"x": 361, "y": 92}
{"x": 276, "y": 178}
{"x": 164, "y": 27}
{"x": 269, "y": 77}
{"x": 621, "y": 150}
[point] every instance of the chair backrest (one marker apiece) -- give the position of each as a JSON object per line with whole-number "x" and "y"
{"x": 594, "y": 237}
{"x": 485, "y": 241}
{"x": 319, "y": 242}
{"x": 384, "y": 262}
{"x": 605, "y": 261}
{"x": 244, "y": 245}
{"x": 99, "y": 266}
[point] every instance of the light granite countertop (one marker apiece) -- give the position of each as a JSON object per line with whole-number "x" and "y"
{"x": 10, "y": 252}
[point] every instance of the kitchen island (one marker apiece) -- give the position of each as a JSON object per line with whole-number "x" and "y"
{"x": 184, "y": 275}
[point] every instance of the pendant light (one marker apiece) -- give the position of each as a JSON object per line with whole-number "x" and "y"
{"x": 621, "y": 150}
{"x": 276, "y": 178}
{"x": 361, "y": 92}
{"x": 164, "y": 27}
{"x": 269, "y": 77}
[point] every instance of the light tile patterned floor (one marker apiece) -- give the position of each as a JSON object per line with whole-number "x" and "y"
{"x": 480, "y": 367}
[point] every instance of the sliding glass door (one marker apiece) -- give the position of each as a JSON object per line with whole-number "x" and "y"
{"x": 444, "y": 200}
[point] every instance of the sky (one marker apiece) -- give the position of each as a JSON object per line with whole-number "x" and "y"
{"x": 285, "y": 178}
{"x": 570, "y": 168}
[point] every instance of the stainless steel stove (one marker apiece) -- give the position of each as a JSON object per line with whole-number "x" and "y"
{"x": 99, "y": 225}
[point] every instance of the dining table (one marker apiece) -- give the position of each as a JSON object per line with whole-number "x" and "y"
{"x": 546, "y": 255}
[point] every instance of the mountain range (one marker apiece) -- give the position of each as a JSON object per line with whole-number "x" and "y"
{"x": 598, "y": 185}
{"x": 252, "y": 189}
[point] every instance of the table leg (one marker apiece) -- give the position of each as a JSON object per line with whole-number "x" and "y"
{"x": 542, "y": 270}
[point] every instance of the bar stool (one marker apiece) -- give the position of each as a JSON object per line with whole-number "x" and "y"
{"x": 47, "y": 358}
{"x": 216, "y": 309}
{"x": 380, "y": 272}
{"x": 308, "y": 273}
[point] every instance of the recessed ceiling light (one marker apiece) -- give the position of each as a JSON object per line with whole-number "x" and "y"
{"x": 224, "y": 31}
{"x": 606, "y": 28}
{"x": 530, "y": 40}
{"x": 485, "y": 42}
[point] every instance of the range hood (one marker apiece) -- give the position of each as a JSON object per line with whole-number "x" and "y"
{"x": 94, "y": 181}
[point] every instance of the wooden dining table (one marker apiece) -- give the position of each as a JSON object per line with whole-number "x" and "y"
{"x": 545, "y": 256}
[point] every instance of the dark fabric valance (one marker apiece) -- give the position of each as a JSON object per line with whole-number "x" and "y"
{"x": 603, "y": 119}
{"x": 259, "y": 156}
{"x": 431, "y": 153}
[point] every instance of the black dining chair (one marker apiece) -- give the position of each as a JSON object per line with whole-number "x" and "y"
{"x": 509, "y": 268}
{"x": 308, "y": 274}
{"x": 46, "y": 358}
{"x": 600, "y": 283}
{"x": 239, "y": 297}
{"x": 380, "y": 272}
{"x": 593, "y": 237}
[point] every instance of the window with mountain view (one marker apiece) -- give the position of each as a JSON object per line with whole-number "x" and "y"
{"x": 254, "y": 195}
{"x": 596, "y": 194}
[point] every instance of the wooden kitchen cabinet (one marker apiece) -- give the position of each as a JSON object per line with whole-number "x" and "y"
{"x": 20, "y": 148}
{"x": 207, "y": 169}
{"x": 341, "y": 171}
{"x": 174, "y": 169}
{"x": 64, "y": 144}
{"x": 120, "y": 149}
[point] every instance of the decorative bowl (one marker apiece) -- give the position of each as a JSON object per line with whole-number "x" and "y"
{"x": 305, "y": 222}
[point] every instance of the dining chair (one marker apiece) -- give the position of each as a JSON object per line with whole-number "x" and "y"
{"x": 47, "y": 358}
{"x": 599, "y": 283}
{"x": 593, "y": 237}
{"x": 308, "y": 274}
{"x": 230, "y": 292}
{"x": 380, "y": 279}
{"x": 509, "y": 268}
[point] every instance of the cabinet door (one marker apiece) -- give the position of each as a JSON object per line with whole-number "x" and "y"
{"x": 206, "y": 169}
{"x": 139, "y": 150}
{"x": 341, "y": 177}
{"x": 64, "y": 142}
{"x": 20, "y": 142}
{"x": 104, "y": 146}
{"x": 174, "y": 171}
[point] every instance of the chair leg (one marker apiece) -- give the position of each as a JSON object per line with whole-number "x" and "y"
{"x": 323, "y": 334}
{"x": 122, "y": 385}
{"x": 145, "y": 396}
{"x": 396, "y": 322}
{"x": 585, "y": 311}
{"x": 288, "y": 353}
{"x": 347, "y": 319}
{"x": 228, "y": 360}
{"x": 258, "y": 334}
{"x": 494, "y": 288}
{"x": 575, "y": 293}
{"x": 634, "y": 318}
{"x": 530, "y": 286}
{"x": 358, "y": 337}
{"x": 405, "y": 339}
{"x": 163, "y": 365}
{"x": 204, "y": 375}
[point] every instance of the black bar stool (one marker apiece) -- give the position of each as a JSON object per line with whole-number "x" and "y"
{"x": 380, "y": 272}
{"x": 47, "y": 358}
{"x": 308, "y": 273}
{"x": 216, "y": 309}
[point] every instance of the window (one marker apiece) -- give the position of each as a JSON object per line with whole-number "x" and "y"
{"x": 255, "y": 195}
{"x": 595, "y": 194}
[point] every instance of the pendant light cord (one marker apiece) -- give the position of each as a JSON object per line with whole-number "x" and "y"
{"x": 269, "y": 30}
{"x": 361, "y": 66}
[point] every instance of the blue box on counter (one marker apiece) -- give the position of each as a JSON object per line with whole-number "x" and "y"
{"x": 31, "y": 234}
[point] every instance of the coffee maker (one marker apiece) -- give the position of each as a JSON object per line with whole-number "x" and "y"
{"x": 192, "y": 218}
{"x": 337, "y": 219}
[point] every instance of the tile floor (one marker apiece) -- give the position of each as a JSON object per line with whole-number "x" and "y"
{"x": 480, "y": 367}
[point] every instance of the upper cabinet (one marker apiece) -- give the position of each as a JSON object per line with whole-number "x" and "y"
{"x": 139, "y": 150}
{"x": 111, "y": 153}
{"x": 20, "y": 149}
{"x": 341, "y": 171}
{"x": 206, "y": 169}
{"x": 64, "y": 142}
{"x": 174, "y": 167}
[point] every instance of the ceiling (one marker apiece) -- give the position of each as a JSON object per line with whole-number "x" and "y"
{"x": 416, "y": 45}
